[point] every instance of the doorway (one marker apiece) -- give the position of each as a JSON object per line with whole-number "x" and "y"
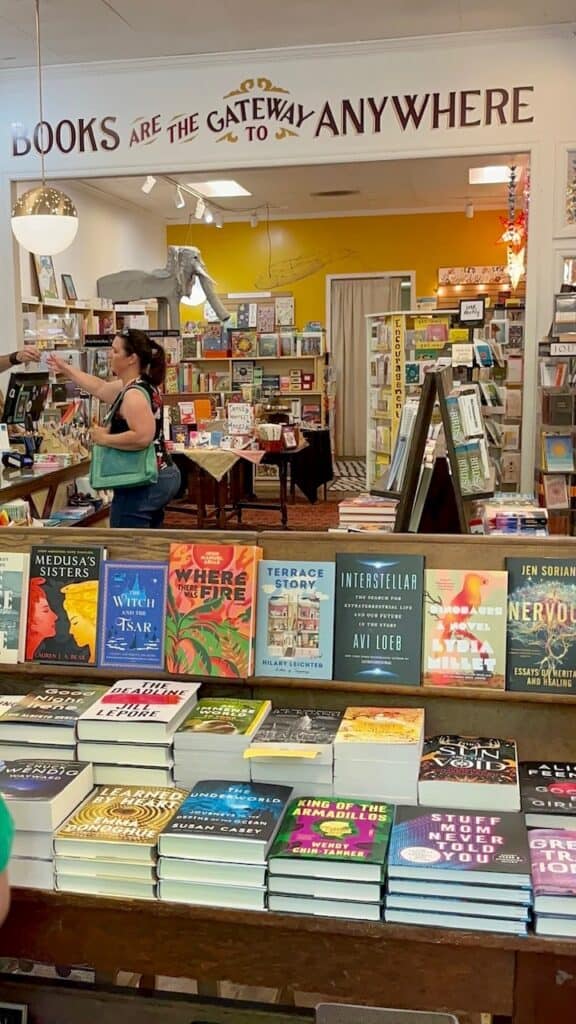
{"x": 350, "y": 298}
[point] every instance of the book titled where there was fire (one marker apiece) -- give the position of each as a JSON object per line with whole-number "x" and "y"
{"x": 131, "y": 615}
{"x": 541, "y": 632}
{"x": 63, "y": 604}
{"x": 378, "y": 629}
{"x": 210, "y": 618}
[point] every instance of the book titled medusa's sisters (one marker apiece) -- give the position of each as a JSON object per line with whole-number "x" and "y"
{"x": 63, "y": 604}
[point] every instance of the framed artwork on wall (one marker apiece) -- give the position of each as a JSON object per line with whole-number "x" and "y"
{"x": 46, "y": 278}
{"x": 68, "y": 288}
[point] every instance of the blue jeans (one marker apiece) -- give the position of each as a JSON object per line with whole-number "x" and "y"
{"x": 143, "y": 507}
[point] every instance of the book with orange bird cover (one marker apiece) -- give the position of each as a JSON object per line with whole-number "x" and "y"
{"x": 211, "y": 609}
{"x": 465, "y": 628}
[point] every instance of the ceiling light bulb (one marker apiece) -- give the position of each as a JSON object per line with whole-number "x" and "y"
{"x": 253, "y": 220}
{"x": 44, "y": 220}
{"x": 149, "y": 184}
{"x": 199, "y": 211}
{"x": 208, "y": 216}
{"x": 179, "y": 200}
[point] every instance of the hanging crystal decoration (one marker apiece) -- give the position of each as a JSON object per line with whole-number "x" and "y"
{"x": 515, "y": 234}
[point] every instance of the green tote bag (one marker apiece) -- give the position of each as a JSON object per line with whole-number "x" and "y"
{"x": 118, "y": 467}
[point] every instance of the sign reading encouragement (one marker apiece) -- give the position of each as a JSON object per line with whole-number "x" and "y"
{"x": 258, "y": 110}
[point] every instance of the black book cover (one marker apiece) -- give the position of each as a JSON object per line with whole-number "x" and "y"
{"x": 37, "y": 780}
{"x": 231, "y": 810}
{"x": 541, "y": 633}
{"x": 54, "y": 704}
{"x": 378, "y": 628}
{"x": 63, "y": 605}
{"x": 548, "y": 787}
{"x": 298, "y": 725}
{"x": 469, "y": 759}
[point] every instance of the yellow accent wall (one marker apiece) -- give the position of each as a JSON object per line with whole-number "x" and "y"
{"x": 296, "y": 255}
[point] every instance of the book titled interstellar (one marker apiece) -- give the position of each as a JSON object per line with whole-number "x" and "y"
{"x": 63, "y": 604}
{"x": 378, "y": 627}
{"x": 295, "y": 619}
{"x": 132, "y": 606}
{"x": 541, "y": 625}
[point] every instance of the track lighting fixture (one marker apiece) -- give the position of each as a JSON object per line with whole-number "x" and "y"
{"x": 200, "y": 207}
{"x": 253, "y": 220}
{"x": 148, "y": 184}
{"x": 179, "y": 200}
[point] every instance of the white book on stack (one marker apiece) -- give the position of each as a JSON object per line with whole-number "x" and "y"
{"x": 377, "y": 753}
{"x": 125, "y": 754}
{"x": 295, "y": 746}
{"x": 172, "y": 869}
{"x": 211, "y": 741}
{"x": 138, "y": 711}
{"x": 30, "y": 873}
{"x": 471, "y": 772}
{"x": 128, "y": 775}
{"x": 48, "y": 715}
{"x": 115, "y": 835}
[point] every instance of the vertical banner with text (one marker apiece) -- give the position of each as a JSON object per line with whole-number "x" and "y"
{"x": 398, "y": 338}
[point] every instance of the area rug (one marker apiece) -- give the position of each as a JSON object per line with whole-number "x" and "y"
{"x": 301, "y": 516}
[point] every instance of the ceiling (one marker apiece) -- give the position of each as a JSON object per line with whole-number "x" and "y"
{"x": 95, "y": 30}
{"x": 381, "y": 186}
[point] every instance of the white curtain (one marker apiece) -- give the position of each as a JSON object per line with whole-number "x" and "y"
{"x": 350, "y": 302}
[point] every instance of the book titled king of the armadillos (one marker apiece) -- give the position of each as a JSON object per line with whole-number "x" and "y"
{"x": 465, "y": 628}
{"x": 63, "y": 604}
{"x": 541, "y": 625}
{"x": 353, "y": 834}
{"x": 211, "y": 610}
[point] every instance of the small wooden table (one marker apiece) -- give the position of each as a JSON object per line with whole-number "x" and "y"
{"x": 283, "y": 460}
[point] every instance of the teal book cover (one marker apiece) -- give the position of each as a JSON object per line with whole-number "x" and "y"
{"x": 295, "y": 619}
{"x": 13, "y": 591}
{"x": 132, "y": 615}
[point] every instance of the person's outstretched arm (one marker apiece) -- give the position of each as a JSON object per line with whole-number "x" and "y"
{"x": 105, "y": 390}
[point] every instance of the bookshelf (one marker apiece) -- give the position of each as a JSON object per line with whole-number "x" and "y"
{"x": 56, "y": 322}
{"x": 555, "y": 474}
{"x": 402, "y": 346}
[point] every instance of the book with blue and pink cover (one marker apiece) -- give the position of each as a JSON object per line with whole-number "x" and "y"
{"x": 440, "y": 845}
{"x": 553, "y": 858}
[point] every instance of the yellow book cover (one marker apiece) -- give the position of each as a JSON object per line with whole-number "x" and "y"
{"x": 381, "y": 725}
{"x": 458, "y": 334}
{"x": 124, "y": 814}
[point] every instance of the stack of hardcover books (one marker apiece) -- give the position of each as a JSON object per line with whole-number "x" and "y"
{"x": 457, "y": 869}
{"x": 367, "y": 512}
{"x": 128, "y": 733}
{"x": 214, "y": 851}
{"x": 42, "y": 725}
{"x": 377, "y": 753}
{"x": 212, "y": 739}
{"x": 109, "y": 846}
{"x": 295, "y": 746}
{"x": 40, "y": 795}
{"x": 553, "y": 857}
{"x": 470, "y": 772}
{"x": 329, "y": 858}
{"x": 548, "y": 793}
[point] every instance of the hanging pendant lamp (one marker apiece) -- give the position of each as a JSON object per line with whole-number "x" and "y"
{"x": 44, "y": 219}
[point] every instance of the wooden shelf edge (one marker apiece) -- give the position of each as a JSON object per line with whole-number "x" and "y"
{"x": 291, "y": 683}
{"x": 31, "y": 900}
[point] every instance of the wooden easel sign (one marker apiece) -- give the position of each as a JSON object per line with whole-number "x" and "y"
{"x": 13, "y": 1013}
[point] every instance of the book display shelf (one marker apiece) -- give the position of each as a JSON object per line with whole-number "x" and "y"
{"x": 351, "y": 961}
{"x": 555, "y": 453}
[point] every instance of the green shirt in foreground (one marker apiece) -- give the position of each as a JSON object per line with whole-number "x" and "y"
{"x": 6, "y": 835}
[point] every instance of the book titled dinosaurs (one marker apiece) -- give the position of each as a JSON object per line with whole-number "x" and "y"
{"x": 465, "y": 628}
{"x": 210, "y": 619}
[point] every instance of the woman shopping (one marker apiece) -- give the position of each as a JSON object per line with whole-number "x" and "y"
{"x": 134, "y": 422}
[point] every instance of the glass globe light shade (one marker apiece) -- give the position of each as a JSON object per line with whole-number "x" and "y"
{"x": 197, "y": 295}
{"x": 44, "y": 220}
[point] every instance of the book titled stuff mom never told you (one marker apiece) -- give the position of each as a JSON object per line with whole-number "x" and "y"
{"x": 63, "y": 605}
{"x": 210, "y": 620}
{"x": 378, "y": 629}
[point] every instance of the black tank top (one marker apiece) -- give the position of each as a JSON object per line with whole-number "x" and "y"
{"x": 118, "y": 424}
